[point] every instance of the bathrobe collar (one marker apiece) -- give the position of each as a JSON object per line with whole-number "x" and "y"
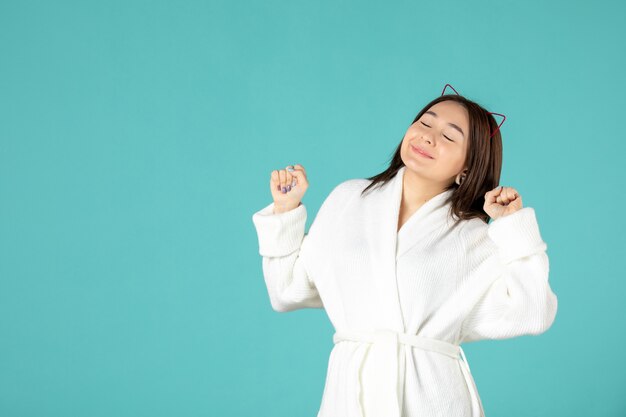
{"x": 431, "y": 215}
{"x": 390, "y": 244}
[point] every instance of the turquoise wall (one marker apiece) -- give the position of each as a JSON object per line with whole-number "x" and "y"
{"x": 137, "y": 139}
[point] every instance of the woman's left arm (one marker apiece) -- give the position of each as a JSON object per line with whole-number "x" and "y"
{"x": 509, "y": 262}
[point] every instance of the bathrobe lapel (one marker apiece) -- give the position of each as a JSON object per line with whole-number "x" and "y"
{"x": 421, "y": 228}
{"x": 388, "y": 245}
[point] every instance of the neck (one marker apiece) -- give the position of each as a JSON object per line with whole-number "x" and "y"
{"x": 417, "y": 190}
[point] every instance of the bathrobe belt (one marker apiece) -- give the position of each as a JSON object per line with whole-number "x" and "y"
{"x": 386, "y": 385}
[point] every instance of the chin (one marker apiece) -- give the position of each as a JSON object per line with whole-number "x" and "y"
{"x": 416, "y": 167}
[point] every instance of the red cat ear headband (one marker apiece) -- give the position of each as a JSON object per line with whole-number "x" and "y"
{"x": 504, "y": 117}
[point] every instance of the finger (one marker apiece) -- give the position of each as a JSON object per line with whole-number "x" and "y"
{"x": 282, "y": 175}
{"x": 299, "y": 176}
{"x": 275, "y": 179}
{"x": 300, "y": 168}
{"x": 286, "y": 181}
{"x": 290, "y": 182}
{"x": 299, "y": 173}
{"x": 495, "y": 192}
{"x": 510, "y": 194}
{"x": 504, "y": 197}
{"x": 491, "y": 196}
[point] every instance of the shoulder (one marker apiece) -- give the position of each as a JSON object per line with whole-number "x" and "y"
{"x": 473, "y": 227}
{"x": 351, "y": 186}
{"x": 473, "y": 233}
{"x": 340, "y": 197}
{"x": 346, "y": 190}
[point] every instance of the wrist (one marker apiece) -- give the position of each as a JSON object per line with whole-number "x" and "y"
{"x": 282, "y": 208}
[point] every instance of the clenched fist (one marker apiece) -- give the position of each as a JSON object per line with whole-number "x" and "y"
{"x": 502, "y": 201}
{"x": 288, "y": 187}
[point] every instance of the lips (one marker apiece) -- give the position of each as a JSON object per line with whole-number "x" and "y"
{"x": 420, "y": 151}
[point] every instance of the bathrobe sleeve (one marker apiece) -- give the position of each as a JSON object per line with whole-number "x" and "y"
{"x": 287, "y": 252}
{"x": 509, "y": 269}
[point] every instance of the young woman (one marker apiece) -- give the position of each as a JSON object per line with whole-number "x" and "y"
{"x": 408, "y": 267}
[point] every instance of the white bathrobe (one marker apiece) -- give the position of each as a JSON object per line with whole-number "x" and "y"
{"x": 402, "y": 302}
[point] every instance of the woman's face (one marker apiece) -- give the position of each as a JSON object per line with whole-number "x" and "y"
{"x": 442, "y": 132}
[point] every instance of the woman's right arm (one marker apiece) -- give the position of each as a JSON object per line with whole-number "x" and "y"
{"x": 286, "y": 249}
{"x": 284, "y": 246}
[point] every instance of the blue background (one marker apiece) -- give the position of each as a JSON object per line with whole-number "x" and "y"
{"x": 137, "y": 139}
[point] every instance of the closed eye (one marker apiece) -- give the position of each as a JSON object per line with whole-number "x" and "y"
{"x": 443, "y": 135}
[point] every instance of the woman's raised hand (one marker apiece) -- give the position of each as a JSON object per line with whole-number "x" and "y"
{"x": 502, "y": 201}
{"x": 288, "y": 187}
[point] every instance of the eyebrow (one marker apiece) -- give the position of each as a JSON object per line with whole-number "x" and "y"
{"x": 451, "y": 124}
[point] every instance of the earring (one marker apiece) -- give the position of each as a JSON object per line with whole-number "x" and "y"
{"x": 460, "y": 178}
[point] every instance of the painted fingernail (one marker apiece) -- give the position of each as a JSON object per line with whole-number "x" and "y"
{"x": 284, "y": 189}
{"x": 289, "y": 188}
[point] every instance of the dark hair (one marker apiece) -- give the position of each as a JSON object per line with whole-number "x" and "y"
{"x": 483, "y": 161}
